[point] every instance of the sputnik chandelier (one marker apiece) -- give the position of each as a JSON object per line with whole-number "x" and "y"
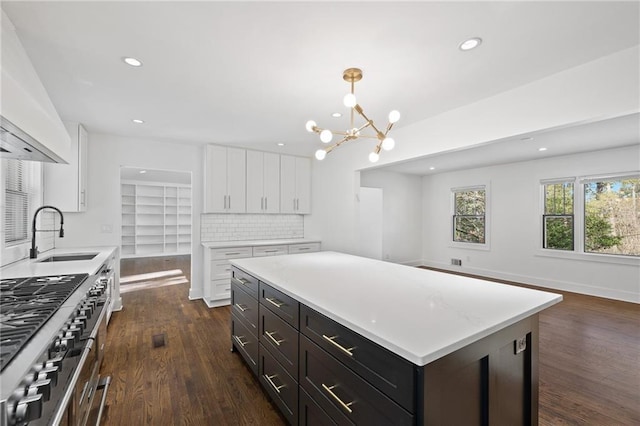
{"x": 352, "y": 75}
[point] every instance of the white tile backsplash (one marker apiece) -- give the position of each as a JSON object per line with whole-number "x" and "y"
{"x": 241, "y": 227}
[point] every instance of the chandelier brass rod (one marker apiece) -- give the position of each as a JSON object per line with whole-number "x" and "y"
{"x": 389, "y": 126}
{"x": 358, "y": 108}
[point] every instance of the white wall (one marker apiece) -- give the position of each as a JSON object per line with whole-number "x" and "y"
{"x": 107, "y": 154}
{"x": 401, "y": 214}
{"x": 515, "y": 226}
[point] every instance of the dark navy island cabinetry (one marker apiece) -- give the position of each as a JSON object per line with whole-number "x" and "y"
{"x": 319, "y": 371}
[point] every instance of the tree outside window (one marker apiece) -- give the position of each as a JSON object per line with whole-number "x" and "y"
{"x": 558, "y": 230}
{"x": 469, "y": 215}
{"x": 612, "y": 216}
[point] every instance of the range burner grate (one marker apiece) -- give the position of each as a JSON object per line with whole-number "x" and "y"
{"x": 25, "y": 306}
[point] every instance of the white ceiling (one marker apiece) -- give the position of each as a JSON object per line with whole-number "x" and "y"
{"x": 252, "y": 73}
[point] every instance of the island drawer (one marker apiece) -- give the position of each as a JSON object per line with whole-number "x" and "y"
{"x": 279, "y": 303}
{"x": 388, "y": 372}
{"x": 343, "y": 394}
{"x": 230, "y": 253}
{"x": 245, "y": 307}
{"x": 310, "y": 413}
{"x": 245, "y": 281}
{"x": 245, "y": 342}
{"x": 282, "y": 388}
{"x": 280, "y": 339}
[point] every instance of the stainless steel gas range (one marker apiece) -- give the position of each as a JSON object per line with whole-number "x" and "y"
{"x": 52, "y": 337}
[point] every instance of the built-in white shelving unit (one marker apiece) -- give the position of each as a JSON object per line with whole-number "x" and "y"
{"x": 156, "y": 219}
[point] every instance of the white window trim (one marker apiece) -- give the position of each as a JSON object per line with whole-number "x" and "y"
{"x": 486, "y": 246}
{"x": 578, "y": 252}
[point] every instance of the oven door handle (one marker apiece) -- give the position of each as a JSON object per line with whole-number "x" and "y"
{"x": 66, "y": 398}
{"x": 104, "y": 385}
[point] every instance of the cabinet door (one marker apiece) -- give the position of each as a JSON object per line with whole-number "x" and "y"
{"x": 303, "y": 185}
{"x": 236, "y": 180}
{"x": 287, "y": 184}
{"x": 216, "y": 179}
{"x": 59, "y": 178}
{"x": 272, "y": 183}
{"x": 83, "y": 158}
{"x": 255, "y": 182}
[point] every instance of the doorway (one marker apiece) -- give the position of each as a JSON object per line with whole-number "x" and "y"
{"x": 155, "y": 229}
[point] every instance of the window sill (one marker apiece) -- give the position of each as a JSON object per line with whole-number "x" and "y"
{"x": 472, "y": 246}
{"x": 591, "y": 257}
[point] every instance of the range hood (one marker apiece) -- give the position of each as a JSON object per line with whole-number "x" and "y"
{"x": 31, "y": 128}
{"x": 14, "y": 143}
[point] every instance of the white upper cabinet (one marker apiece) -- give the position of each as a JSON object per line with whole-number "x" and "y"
{"x": 295, "y": 184}
{"x": 263, "y": 182}
{"x": 65, "y": 185}
{"x": 225, "y": 180}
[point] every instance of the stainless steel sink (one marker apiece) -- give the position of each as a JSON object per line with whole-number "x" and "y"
{"x": 69, "y": 257}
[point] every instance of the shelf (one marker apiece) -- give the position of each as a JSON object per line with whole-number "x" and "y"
{"x": 156, "y": 219}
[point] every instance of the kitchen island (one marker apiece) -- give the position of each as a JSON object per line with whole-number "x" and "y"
{"x": 339, "y": 338}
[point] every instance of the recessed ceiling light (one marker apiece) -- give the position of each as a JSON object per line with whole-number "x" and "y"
{"x": 469, "y": 44}
{"x": 432, "y": 168}
{"x": 143, "y": 171}
{"x": 527, "y": 138}
{"x": 132, "y": 61}
{"x": 336, "y": 115}
{"x": 280, "y": 144}
{"x": 137, "y": 121}
{"x": 542, "y": 149}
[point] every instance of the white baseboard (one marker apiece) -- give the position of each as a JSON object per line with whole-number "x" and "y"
{"x": 195, "y": 294}
{"x": 217, "y": 303}
{"x": 626, "y": 296}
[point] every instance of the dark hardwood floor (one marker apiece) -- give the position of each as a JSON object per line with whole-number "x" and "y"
{"x": 589, "y": 362}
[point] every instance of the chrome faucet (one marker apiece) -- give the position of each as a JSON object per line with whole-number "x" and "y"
{"x": 33, "y": 253}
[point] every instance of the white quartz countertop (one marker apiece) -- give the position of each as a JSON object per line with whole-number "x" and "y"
{"x": 256, "y": 243}
{"x": 33, "y": 268}
{"x": 420, "y": 315}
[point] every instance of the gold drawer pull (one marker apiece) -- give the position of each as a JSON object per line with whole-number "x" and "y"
{"x": 338, "y": 345}
{"x": 345, "y": 406}
{"x": 274, "y": 302}
{"x": 241, "y": 281}
{"x": 242, "y": 308}
{"x": 240, "y": 342}
{"x": 270, "y": 336}
{"x": 277, "y": 388}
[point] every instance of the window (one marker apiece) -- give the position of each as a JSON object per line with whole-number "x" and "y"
{"x": 469, "y": 208}
{"x": 21, "y": 183}
{"x": 558, "y": 216}
{"x": 598, "y": 215}
{"x": 16, "y": 203}
{"x": 612, "y": 215}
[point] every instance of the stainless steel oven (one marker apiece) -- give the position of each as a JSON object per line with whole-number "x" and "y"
{"x": 53, "y": 335}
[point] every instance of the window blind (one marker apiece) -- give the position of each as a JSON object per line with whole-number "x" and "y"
{"x": 17, "y": 189}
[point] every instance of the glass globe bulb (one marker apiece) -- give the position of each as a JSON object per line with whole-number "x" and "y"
{"x": 394, "y": 116}
{"x": 373, "y": 157}
{"x": 310, "y": 125}
{"x": 320, "y": 154}
{"x": 349, "y": 100}
{"x": 388, "y": 144}
{"x": 326, "y": 136}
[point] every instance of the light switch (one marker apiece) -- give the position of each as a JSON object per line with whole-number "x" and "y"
{"x": 107, "y": 229}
